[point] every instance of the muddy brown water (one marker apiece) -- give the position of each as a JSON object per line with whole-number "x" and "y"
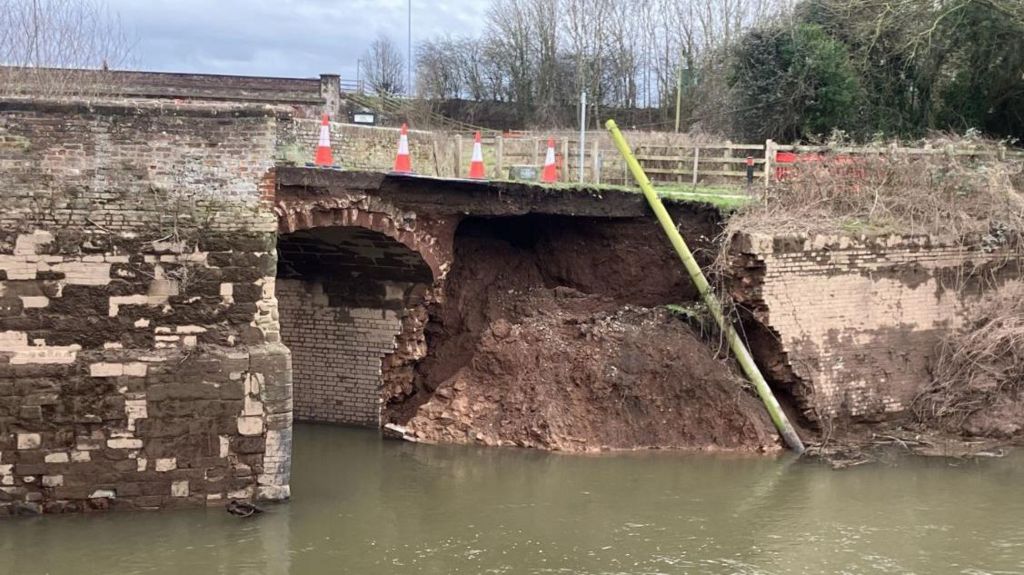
{"x": 365, "y": 506}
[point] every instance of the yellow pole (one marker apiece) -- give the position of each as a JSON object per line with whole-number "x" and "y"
{"x": 740, "y": 350}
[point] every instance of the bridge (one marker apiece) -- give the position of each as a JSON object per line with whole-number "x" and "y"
{"x": 176, "y": 291}
{"x": 168, "y": 346}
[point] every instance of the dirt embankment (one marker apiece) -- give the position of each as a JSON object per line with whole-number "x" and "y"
{"x": 551, "y": 334}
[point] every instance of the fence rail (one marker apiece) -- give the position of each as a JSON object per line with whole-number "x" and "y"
{"x": 717, "y": 162}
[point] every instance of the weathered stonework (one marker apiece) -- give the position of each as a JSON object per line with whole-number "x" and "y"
{"x": 140, "y": 355}
{"x": 357, "y": 147}
{"x": 853, "y": 323}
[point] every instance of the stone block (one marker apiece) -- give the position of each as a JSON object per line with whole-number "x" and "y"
{"x": 250, "y": 425}
{"x": 124, "y": 443}
{"x": 179, "y": 488}
{"x": 58, "y": 457}
{"x": 29, "y": 440}
{"x": 106, "y": 370}
{"x": 135, "y": 369}
{"x": 166, "y": 464}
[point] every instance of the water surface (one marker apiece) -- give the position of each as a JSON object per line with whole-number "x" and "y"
{"x": 361, "y": 505}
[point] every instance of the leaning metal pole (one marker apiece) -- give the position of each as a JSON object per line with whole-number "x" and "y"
{"x": 735, "y": 343}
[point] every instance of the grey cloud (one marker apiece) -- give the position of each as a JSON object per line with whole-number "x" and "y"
{"x": 300, "y": 38}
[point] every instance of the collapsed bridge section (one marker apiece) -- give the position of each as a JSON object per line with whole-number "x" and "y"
{"x": 343, "y": 292}
{"x": 498, "y": 313}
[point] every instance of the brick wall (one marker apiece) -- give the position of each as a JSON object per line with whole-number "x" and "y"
{"x": 140, "y": 356}
{"x": 854, "y": 323}
{"x": 337, "y": 353}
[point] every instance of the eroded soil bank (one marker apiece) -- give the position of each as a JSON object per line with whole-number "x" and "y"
{"x": 552, "y": 333}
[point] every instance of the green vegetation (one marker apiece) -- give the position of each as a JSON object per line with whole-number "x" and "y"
{"x": 744, "y": 69}
{"x": 721, "y": 196}
{"x": 882, "y": 68}
{"x": 794, "y": 82}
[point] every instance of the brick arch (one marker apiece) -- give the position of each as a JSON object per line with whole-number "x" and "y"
{"x": 335, "y": 329}
{"x": 432, "y": 239}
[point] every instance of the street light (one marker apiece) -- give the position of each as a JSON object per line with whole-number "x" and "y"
{"x": 409, "y": 53}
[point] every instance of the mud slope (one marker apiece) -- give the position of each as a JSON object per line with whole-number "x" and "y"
{"x": 521, "y": 355}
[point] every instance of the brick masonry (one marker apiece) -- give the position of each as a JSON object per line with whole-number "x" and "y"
{"x": 854, "y": 322}
{"x": 349, "y": 296}
{"x": 337, "y": 353}
{"x": 140, "y": 355}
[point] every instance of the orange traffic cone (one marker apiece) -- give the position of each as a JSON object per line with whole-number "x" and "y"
{"x": 476, "y": 164}
{"x": 324, "y": 157}
{"x": 403, "y": 165}
{"x": 549, "y": 174}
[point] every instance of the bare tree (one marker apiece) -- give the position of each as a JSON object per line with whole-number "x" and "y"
{"x": 439, "y": 69}
{"x": 46, "y": 46}
{"x": 539, "y": 54}
{"x": 383, "y": 67}
{"x": 513, "y": 45}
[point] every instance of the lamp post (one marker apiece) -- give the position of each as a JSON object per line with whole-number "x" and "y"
{"x": 409, "y": 52}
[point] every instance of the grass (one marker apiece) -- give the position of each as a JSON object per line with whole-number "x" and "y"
{"x": 720, "y": 196}
{"x": 724, "y": 197}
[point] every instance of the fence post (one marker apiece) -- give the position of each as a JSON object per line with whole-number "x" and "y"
{"x": 458, "y": 156}
{"x": 679, "y": 168}
{"x": 728, "y": 156}
{"x": 565, "y": 159}
{"x": 500, "y": 160}
{"x": 769, "y": 158}
{"x": 536, "y": 151}
{"x": 596, "y": 160}
{"x": 696, "y": 160}
{"x": 437, "y": 162}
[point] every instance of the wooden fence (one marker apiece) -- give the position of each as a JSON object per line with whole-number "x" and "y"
{"x": 702, "y": 164}
{"x": 713, "y": 163}
{"x": 668, "y": 159}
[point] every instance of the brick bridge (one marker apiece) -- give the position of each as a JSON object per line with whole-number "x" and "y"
{"x": 362, "y": 254}
{"x": 173, "y": 294}
{"x": 143, "y": 305}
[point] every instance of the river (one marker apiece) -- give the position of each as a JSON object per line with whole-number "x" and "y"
{"x": 364, "y": 506}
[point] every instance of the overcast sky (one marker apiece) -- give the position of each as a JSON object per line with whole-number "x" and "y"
{"x": 295, "y": 38}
